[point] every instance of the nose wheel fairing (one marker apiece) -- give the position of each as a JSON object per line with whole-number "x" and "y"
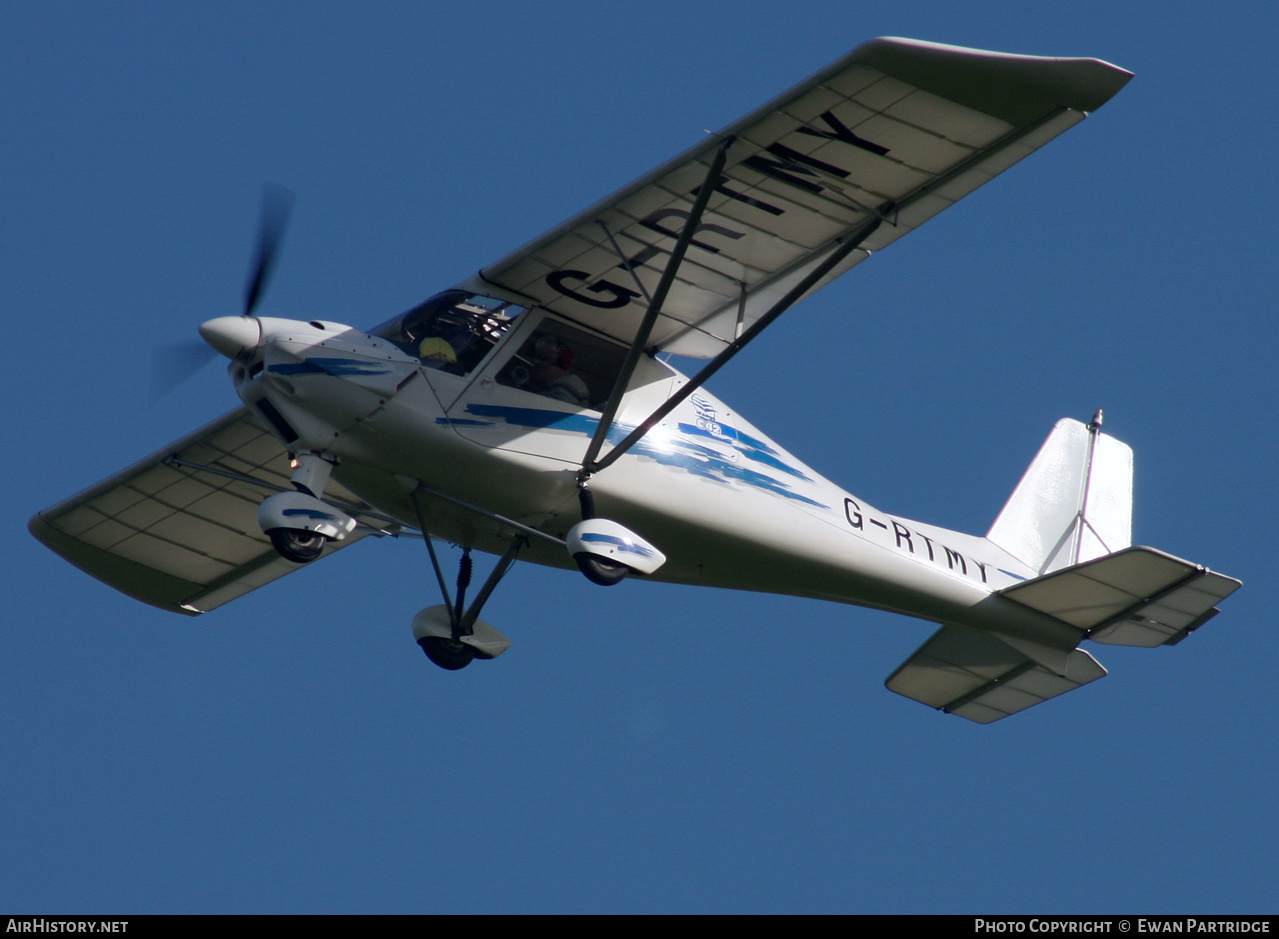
{"x": 452, "y": 635}
{"x": 433, "y": 631}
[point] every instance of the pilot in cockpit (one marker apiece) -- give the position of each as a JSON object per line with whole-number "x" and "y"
{"x": 553, "y": 375}
{"x": 436, "y": 352}
{"x": 452, "y": 332}
{"x": 426, "y": 337}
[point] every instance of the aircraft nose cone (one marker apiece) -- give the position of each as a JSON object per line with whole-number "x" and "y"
{"x": 233, "y": 336}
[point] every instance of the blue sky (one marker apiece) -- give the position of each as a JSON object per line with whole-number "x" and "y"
{"x": 646, "y": 748}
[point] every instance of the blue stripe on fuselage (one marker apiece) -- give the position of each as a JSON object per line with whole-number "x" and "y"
{"x": 335, "y": 367}
{"x": 691, "y": 457}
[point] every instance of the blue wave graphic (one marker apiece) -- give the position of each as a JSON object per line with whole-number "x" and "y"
{"x": 310, "y": 513}
{"x": 747, "y": 446}
{"x": 335, "y": 367}
{"x": 621, "y": 543}
{"x": 687, "y": 455}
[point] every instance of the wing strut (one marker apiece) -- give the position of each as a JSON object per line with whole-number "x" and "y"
{"x": 353, "y": 510}
{"x": 500, "y": 519}
{"x": 850, "y": 243}
{"x": 655, "y": 304}
{"x": 630, "y": 268}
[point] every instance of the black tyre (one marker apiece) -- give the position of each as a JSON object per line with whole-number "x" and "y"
{"x": 296, "y": 544}
{"x": 447, "y": 653}
{"x": 600, "y": 570}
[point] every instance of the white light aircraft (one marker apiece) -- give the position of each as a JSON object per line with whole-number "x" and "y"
{"x": 529, "y": 412}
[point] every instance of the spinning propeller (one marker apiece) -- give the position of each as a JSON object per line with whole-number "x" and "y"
{"x": 231, "y": 336}
{"x": 277, "y": 203}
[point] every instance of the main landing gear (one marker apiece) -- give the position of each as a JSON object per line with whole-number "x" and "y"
{"x": 605, "y": 551}
{"x": 297, "y": 545}
{"x": 299, "y": 523}
{"x": 600, "y": 570}
{"x": 452, "y": 635}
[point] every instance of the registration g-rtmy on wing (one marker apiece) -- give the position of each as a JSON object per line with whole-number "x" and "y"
{"x": 530, "y": 413}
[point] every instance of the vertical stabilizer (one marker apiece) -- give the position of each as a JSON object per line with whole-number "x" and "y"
{"x": 1074, "y": 503}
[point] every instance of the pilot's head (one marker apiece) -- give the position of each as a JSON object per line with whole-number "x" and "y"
{"x": 549, "y": 353}
{"x": 436, "y": 349}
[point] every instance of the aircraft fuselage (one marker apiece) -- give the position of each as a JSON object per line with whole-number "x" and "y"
{"x": 729, "y": 507}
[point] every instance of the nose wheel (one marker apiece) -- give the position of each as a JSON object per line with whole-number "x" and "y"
{"x": 453, "y": 635}
{"x": 448, "y": 654}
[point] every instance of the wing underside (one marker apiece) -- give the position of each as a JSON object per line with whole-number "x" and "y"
{"x": 174, "y": 532}
{"x": 898, "y": 129}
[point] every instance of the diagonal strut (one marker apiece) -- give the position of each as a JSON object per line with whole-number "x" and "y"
{"x": 655, "y": 306}
{"x": 849, "y": 244}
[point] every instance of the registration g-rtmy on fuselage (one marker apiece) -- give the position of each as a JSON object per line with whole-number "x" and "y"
{"x": 530, "y": 412}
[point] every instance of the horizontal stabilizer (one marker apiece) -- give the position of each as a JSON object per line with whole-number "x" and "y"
{"x": 980, "y": 678}
{"x": 1135, "y": 597}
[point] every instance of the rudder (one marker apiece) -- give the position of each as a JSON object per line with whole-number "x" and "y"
{"x": 1073, "y": 504}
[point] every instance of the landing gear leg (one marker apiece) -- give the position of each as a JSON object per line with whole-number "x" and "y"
{"x": 449, "y": 652}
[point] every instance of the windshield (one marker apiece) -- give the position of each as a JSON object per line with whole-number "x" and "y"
{"x": 452, "y": 331}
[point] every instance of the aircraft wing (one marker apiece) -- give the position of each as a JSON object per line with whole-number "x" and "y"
{"x": 172, "y": 531}
{"x": 977, "y": 677}
{"x": 897, "y": 128}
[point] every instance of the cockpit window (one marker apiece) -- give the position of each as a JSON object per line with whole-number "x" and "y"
{"x": 564, "y": 363}
{"x": 452, "y": 331}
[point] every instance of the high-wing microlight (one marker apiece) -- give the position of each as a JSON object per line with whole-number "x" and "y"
{"x": 529, "y": 412}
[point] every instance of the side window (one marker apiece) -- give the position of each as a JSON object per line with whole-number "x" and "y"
{"x": 453, "y": 331}
{"x": 568, "y": 364}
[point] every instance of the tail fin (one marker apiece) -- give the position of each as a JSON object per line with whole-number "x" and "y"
{"x": 1074, "y": 503}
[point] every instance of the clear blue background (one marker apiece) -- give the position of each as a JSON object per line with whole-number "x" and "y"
{"x": 646, "y": 748}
